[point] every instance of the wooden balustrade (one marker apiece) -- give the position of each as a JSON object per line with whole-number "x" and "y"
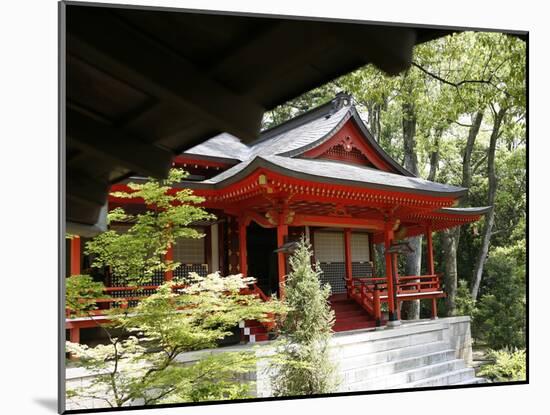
{"x": 123, "y": 302}
{"x": 370, "y": 292}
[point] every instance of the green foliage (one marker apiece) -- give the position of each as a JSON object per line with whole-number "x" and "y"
{"x": 452, "y": 78}
{"x": 508, "y": 365}
{"x": 134, "y": 256}
{"x": 81, "y": 294}
{"x": 500, "y": 317}
{"x": 303, "y": 365}
{"x": 144, "y": 368}
{"x": 465, "y": 305}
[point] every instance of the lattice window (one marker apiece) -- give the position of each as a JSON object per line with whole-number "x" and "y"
{"x": 190, "y": 251}
{"x": 360, "y": 251}
{"x": 329, "y": 246}
{"x": 333, "y": 274}
{"x": 340, "y": 153}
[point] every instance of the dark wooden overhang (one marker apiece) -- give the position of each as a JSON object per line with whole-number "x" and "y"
{"x": 142, "y": 84}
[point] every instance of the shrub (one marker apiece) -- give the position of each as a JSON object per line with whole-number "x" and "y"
{"x": 303, "y": 365}
{"x": 508, "y": 365}
{"x": 500, "y": 317}
{"x": 465, "y": 305}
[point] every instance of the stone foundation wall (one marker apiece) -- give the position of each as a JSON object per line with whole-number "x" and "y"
{"x": 347, "y": 348}
{"x": 460, "y": 337}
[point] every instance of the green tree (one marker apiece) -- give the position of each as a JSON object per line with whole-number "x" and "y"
{"x": 143, "y": 368}
{"x": 303, "y": 365}
{"x": 500, "y": 318}
{"x": 134, "y": 256}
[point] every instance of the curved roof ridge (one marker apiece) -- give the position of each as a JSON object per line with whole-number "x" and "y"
{"x": 300, "y": 135}
{"x": 370, "y": 139}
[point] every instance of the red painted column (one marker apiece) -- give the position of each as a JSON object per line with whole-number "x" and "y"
{"x": 243, "y": 261}
{"x": 396, "y": 289}
{"x": 388, "y": 237}
{"x": 169, "y": 275}
{"x": 75, "y": 255}
{"x": 74, "y": 335}
{"x": 282, "y": 232}
{"x": 349, "y": 265}
{"x": 429, "y": 243}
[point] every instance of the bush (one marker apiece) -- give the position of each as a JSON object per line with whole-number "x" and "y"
{"x": 303, "y": 365}
{"x": 500, "y": 316}
{"x": 508, "y": 365}
{"x": 465, "y": 305}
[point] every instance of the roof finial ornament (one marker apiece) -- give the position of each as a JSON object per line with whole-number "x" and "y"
{"x": 342, "y": 99}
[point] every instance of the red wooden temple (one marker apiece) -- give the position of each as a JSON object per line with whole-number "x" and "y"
{"x": 321, "y": 174}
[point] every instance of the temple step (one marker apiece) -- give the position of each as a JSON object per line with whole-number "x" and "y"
{"x": 349, "y": 315}
{"x": 412, "y": 355}
{"x": 393, "y": 355}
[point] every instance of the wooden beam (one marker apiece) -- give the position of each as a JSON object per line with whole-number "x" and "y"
{"x": 85, "y": 189}
{"x": 389, "y": 48}
{"x": 259, "y": 219}
{"x": 337, "y": 221}
{"x": 117, "y": 147}
{"x": 143, "y": 61}
{"x": 291, "y": 44}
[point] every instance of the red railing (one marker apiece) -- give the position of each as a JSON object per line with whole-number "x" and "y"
{"x": 370, "y": 293}
{"x": 123, "y": 302}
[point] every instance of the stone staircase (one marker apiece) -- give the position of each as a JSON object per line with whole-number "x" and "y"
{"x": 420, "y": 354}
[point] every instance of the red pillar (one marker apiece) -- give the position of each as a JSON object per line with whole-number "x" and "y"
{"x": 282, "y": 232}
{"x": 243, "y": 261}
{"x": 430, "y": 256}
{"x": 349, "y": 266}
{"x": 74, "y": 335}
{"x": 169, "y": 275}
{"x": 388, "y": 237}
{"x": 396, "y": 289}
{"x": 431, "y": 268}
{"x": 75, "y": 255}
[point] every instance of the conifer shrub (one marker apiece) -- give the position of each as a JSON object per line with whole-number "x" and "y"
{"x": 302, "y": 365}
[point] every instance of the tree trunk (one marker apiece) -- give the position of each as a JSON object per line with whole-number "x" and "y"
{"x": 410, "y": 160}
{"x": 467, "y": 157}
{"x": 490, "y": 218}
{"x": 434, "y": 155}
{"x": 411, "y": 309}
{"x": 374, "y": 109}
{"x": 451, "y": 237}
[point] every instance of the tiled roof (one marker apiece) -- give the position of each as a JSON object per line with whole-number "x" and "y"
{"x": 228, "y": 146}
{"x": 331, "y": 172}
{"x": 280, "y": 147}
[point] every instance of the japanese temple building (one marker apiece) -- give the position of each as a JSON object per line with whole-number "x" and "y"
{"x": 321, "y": 174}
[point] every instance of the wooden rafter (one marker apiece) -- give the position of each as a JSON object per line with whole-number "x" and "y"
{"x": 112, "y": 144}
{"x": 176, "y": 80}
